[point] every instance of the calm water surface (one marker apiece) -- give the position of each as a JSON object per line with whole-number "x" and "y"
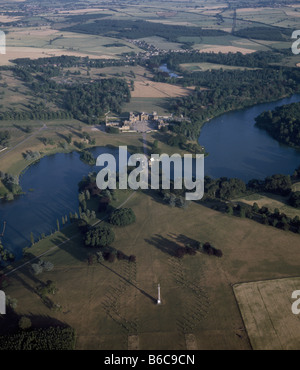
{"x": 237, "y": 148}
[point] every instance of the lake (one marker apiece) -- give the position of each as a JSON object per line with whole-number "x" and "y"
{"x": 54, "y": 180}
{"x": 164, "y": 68}
{"x": 236, "y": 149}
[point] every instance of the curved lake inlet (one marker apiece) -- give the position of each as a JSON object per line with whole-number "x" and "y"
{"x": 236, "y": 149}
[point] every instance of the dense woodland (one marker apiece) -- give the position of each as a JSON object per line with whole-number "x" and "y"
{"x": 86, "y": 102}
{"x": 53, "y": 338}
{"x": 65, "y": 61}
{"x": 283, "y": 123}
{"x": 230, "y": 90}
{"x": 136, "y": 29}
{"x": 265, "y": 33}
{"x": 258, "y": 59}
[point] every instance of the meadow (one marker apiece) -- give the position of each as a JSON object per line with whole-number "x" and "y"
{"x": 113, "y": 305}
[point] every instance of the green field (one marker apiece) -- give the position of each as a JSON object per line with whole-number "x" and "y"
{"x": 160, "y": 105}
{"x": 196, "y": 67}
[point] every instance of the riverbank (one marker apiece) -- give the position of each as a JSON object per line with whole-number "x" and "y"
{"x": 15, "y": 163}
{"x": 201, "y": 125}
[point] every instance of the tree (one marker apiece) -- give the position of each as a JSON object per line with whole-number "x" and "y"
{"x": 264, "y": 219}
{"x": 172, "y": 200}
{"x": 100, "y": 257}
{"x": 122, "y": 217}
{"x": 242, "y": 212}
{"x": 255, "y": 208}
{"x": 229, "y": 209}
{"x": 132, "y": 258}
{"x": 103, "y": 236}
{"x": 69, "y": 139}
{"x": 31, "y": 238}
{"x": 294, "y": 199}
{"x": 111, "y": 257}
{"x": 11, "y": 302}
{"x": 180, "y": 252}
{"x": 48, "y": 266}
{"x": 155, "y": 144}
{"x": 24, "y": 323}
{"x": 37, "y": 268}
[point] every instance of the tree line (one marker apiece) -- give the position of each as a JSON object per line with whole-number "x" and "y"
{"x": 85, "y": 102}
{"x": 230, "y": 90}
{"x": 64, "y": 61}
{"x": 259, "y": 59}
{"x": 136, "y": 29}
{"x": 282, "y": 123}
{"x": 264, "y": 216}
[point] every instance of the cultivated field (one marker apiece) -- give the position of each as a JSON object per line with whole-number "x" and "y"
{"x": 266, "y": 310}
{"x": 150, "y": 89}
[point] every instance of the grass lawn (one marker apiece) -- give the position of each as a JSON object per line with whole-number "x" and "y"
{"x": 109, "y": 304}
{"x": 160, "y": 105}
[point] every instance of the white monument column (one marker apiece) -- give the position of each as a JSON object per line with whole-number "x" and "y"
{"x": 2, "y": 303}
{"x": 158, "y": 299}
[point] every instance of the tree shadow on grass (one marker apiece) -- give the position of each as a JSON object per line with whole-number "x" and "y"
{"x": 9, "y": 323}
{"x": 62, "y": 136}
{"x": 165, "y": 245}
{"x": 78, "y": 252}
{"x": 185, "y": 240}
{"x": 130, "y": 283}
{"x": 21, "y": 128}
